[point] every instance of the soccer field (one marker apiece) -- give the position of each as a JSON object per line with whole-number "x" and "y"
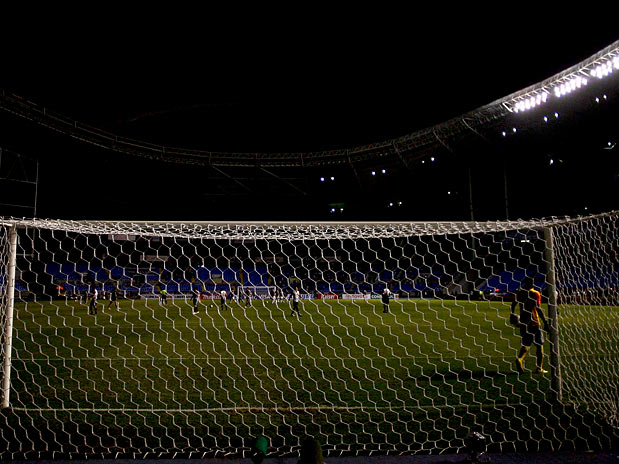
{"x": 158, "y": 378}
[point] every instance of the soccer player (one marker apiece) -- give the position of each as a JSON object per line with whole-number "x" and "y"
{"x": 366, "y": 296}
{"x": 195, "y": 297}
{"x": 530, "y": 302}
{"x": 163, "y": 296}
{"x": 92, "y": 306}
{"x": 385, "y": 299}
{"x": 113, "y": 298}
{"x": 274, "y": 295}
{"x": 222, "y": 299}
{"x": 248, "y": 297}
{"x": 296, "y": 296}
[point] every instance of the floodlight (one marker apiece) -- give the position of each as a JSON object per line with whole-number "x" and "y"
{"x": 545, "y": 118}
{"x": 322, "y": 179}
{"x": 332, "y": 178}
{"x": 384, "y": 171}
{"x": 373, "y": 173}
{"x": 432, "y": 159}
{"x": 390, "y": 204}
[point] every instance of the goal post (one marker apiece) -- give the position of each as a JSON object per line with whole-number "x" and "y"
{"x": 7, "y": 316}
{"x": 345, "y": 362}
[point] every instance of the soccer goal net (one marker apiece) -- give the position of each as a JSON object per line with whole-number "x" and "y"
{"x": 122, "y": 339}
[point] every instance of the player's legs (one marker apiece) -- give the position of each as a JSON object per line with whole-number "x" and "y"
{"x": 520, "y": 358}
{"x": 527, "y": 340}
{"x": 539, "y": 351}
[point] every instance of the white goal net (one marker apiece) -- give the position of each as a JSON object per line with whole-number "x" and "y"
{"x": 192, "y": 339}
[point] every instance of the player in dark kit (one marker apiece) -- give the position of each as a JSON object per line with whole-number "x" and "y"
{"x": 530, "y": 302}
{"x": 113, "y": 298}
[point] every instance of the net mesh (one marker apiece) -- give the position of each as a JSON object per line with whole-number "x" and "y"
{"x": 397, "y": 342}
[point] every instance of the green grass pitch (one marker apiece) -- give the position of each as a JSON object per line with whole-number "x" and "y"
{"x": 418, "y": 378}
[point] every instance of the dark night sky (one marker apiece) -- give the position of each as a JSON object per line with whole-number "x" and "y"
{"x": 287, "y": 86}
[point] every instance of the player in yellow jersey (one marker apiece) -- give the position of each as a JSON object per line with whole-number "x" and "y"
{"x": 530, "y": 302}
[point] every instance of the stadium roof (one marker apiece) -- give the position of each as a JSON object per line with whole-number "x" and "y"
{"x": 252, "y": 110}
{"x": 294, "y": 94}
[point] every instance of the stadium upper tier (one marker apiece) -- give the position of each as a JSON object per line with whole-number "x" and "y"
{"x": 405, "y": 148}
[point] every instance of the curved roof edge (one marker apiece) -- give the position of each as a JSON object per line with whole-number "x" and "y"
{"x": 406, "y": 145}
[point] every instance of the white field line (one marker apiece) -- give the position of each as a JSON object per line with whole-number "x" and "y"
{"x": 255, "y": 409}
{"x": 250, "y": 358}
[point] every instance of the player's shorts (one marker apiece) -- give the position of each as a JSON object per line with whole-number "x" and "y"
{"x": 531, "y": 335}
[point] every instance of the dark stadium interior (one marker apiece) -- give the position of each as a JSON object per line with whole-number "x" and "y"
{"x": 298, "y": 126}
{"x": 318, "y": 98}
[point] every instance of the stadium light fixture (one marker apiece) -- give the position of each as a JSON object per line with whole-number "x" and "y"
{"x": 569, "y": 86}
{"x": 384, "y": 171}
{"x": 432, "y": 159}
{"x": 567, "y": 82}
{"x": 332, "y": 178}
{"x": 322, "y": 179}
{"x": 373, "y": 173}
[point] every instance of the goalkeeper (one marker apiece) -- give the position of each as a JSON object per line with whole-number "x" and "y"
{"x": 530, "y": 302}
